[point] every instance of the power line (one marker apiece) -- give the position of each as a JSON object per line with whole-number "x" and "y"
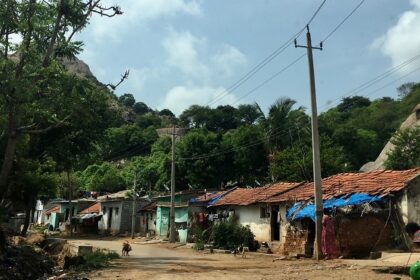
{"x": 269, "y": 79}
{"x": 281, "y": 132}
{"x": 316, "y": 12}
{"x": 264, "y": 62}
{"x": 286, "y": 45}
{"x": 343, "y": 21}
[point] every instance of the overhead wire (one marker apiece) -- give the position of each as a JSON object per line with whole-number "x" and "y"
{"x": 343, "y": 21}
{"x": 278, "y": 133}
{"x": 300, "y": 57}
{"x": 264, "y": 62}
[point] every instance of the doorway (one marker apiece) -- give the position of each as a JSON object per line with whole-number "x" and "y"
{"x": 110, "y": 218}
{"x": 275, "y": 223}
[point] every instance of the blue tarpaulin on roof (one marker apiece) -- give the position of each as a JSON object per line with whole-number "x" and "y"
{"x": 300, "y": 210}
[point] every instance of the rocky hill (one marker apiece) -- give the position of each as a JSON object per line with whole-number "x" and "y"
{"x": 412, "y": 120}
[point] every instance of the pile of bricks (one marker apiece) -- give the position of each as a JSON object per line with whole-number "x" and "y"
{"x": 295, "y": 242}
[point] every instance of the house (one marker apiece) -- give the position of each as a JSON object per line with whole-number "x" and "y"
{"x": 76, "y": 206}
{"x": 198, "y": 220}
{"x": 163, "y": 205}
{"x": 368, "y": 209}
{"x": 87, "y": 220}
{"x": 52, "y": 216}
{"x": 148, "y": 219}
{"x": 250, "y": 209}
{"x": 117, "y": 212}
{"x": 37, "y": 215}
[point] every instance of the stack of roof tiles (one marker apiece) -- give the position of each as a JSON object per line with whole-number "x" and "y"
{"x": 381, "y": 182}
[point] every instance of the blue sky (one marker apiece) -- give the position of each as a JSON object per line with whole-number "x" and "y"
{"x": 183, "y": 52}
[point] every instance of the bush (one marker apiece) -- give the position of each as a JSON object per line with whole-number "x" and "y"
{"x": 230, "y": 235}
{"x": 98, "y": 259}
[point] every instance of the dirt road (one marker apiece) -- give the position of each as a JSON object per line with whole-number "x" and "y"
{"x": 158, "y": 262}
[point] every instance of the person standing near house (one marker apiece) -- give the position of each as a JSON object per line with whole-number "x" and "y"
{"x": 329, "y": 248}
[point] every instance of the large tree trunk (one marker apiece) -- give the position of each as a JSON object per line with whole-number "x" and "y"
{"x": 9, "y": 155}
{"x": 27, "y": 220}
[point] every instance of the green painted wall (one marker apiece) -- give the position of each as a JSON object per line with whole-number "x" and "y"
{"x": 162, "y": 220}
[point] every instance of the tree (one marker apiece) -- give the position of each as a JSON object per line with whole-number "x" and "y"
{"x": 406, "y": 151}
{"x": 167, "y": 113}
{"x": 33, "y": 80}
{"x": 249, "y": 156}
{"x": 140, "y": 108}
{"x": 198, "y": 160}
{"x": 105, "y": 177}
{"x": 128, "y": 140}
{"x": 350, "y": 103}
{"x": 294, "y": 163}
{"x": 405, "y": 89}
{"x": 32, "y": 179}
{"x": 279, "y": 123}
{"x": 196, "y": 116}
{"x": 127, "y": 99}
{"x": 248, "y": 114}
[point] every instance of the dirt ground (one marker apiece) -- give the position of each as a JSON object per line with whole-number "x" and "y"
{"x": 163, "y": 262}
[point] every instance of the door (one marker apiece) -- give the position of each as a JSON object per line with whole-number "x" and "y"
{"x": 109, "y": 217}
{"x": 275, "y": 224}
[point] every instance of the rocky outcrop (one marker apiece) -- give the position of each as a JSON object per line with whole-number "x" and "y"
{"x": 379, "y": 163}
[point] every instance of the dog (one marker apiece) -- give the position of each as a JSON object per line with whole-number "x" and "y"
{"x": 126, "y": 248}
{"x": 241, "y": 250}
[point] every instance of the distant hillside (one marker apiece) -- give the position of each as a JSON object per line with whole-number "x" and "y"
{"x": 412, "y": 120}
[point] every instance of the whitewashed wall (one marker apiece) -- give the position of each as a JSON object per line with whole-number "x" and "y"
{"x": 116, "y": 218}
{"x": 250, "y": 216}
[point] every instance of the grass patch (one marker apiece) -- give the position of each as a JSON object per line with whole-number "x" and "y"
{"x": 98, "y": 259}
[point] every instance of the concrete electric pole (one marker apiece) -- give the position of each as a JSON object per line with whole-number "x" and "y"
{"x": 133, "y": 213}
{"x": 172, "y": 229}
{"x": 315, "y": 147}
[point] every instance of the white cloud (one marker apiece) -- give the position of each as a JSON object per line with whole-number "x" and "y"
{"x": 137, "y": 13}
{"x": 180, "y": 98}
{"x": 183, "y": 51}
{"x": 228, "y": 59}
{"x": 402, "y": 41}
{"x": 199, "y": 60}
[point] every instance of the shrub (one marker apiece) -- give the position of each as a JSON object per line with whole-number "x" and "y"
{"x": 229, "y": 235}
{"x": 98, "y": 259}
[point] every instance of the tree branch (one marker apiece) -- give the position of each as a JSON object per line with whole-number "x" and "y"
{"x": 123, "y": 77}
{"x": 54, "y": 36}
{"x": 115, "y": 10}
{"x": 28, "y": 129}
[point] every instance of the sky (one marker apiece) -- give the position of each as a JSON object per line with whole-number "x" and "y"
{"x": 184, "y": 52}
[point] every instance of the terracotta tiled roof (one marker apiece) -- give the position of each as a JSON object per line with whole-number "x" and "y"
{"x": 94, "y": 208}
{"x": 54, "y": 209}
{"x": 381, "y": 182}
{"x": 209, "y": 196}
{"x": 149, "y": 207}
{"x": 242, "y": 196}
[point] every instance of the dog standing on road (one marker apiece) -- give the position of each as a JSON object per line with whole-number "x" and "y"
{"x": 126, "y": 249}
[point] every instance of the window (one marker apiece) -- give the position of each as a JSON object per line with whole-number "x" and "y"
{"x": 264, "y": 212}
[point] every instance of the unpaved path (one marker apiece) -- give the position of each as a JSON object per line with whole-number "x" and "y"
{"x": 159, "y": 262}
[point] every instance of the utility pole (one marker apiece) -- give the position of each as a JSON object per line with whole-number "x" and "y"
{"x": 315, "y": 147}
{"x": 69, "y": 184}
{"x": 133, "y": 213}
{"x": 172, "y": 229}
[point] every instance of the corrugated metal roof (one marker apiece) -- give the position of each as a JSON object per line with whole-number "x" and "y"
{"x": 381, "y": 182}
